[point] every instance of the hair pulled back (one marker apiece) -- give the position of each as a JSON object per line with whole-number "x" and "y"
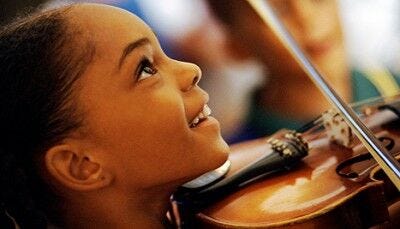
{"x": 39, "y": 62}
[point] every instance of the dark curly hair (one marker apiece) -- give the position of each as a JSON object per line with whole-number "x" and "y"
{"x": 40, "y": 61}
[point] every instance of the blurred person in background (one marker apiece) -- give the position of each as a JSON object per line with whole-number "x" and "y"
{"x": 288, "y": 99}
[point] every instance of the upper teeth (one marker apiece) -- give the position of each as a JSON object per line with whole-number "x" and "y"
{"x": 202, "y": 115}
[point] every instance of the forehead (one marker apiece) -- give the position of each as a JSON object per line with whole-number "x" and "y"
{"x": 108, "y": 27}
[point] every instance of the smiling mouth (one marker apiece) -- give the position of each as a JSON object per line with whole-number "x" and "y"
{"x": 202, "y": 116}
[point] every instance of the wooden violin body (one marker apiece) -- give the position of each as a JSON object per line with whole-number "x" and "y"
{"x": 312, "y": 195}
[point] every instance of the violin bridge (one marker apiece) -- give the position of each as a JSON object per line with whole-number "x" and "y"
{"x": 337, "y": 129}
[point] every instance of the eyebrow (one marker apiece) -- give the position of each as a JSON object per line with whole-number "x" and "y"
{"x": 132, "y": 46}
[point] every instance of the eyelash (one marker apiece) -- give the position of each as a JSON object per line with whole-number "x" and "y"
{"x": 145, "y": 67}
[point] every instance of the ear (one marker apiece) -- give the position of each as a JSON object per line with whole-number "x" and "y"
{"x": 75, "y": 170}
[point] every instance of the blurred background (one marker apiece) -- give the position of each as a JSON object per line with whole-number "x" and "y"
{"x": 235, "y": 75}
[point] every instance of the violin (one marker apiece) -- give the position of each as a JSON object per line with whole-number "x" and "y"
{"x": 336, "y": 185}
{"x": 323, "y": 175}
{"x": 315, "y": 193}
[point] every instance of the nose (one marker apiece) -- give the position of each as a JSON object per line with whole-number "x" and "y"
{"x": 188, "y": 76}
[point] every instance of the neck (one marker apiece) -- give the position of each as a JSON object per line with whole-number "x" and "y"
{"x": 293, "y": 100}
{"x": 141, "y": 209}
{"x": 296, "y": 95}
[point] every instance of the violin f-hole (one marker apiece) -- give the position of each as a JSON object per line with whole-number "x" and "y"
{"x": 388, "y": 143}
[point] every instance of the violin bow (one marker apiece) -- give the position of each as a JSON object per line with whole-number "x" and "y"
{"x": 389, "y": 165}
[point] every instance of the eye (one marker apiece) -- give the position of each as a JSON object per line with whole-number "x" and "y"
{"x": 145, "y": 69}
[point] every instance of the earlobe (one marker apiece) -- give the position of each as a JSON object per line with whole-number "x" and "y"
{"x": 75, "y": 170}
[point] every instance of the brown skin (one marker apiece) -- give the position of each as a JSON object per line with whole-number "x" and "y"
{"x": 315, "y": 25}
{"x": 135, "y": 147}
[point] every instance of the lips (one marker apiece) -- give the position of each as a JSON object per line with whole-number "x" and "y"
{"x": 202, "y": 116}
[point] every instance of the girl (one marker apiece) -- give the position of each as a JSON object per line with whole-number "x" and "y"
{"x": 99, "y": 125}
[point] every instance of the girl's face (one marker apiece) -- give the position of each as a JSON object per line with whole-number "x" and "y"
{"x": 139, "y": 105}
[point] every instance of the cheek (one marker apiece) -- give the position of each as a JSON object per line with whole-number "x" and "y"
{"x": 144, "y": 146}
{"x": 152, "y": 123}
{"x": 137, "y": 120}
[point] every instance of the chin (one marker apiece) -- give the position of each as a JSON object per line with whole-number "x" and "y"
{"x": 212, "y": 148}
{"x": 220, "y": 154}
